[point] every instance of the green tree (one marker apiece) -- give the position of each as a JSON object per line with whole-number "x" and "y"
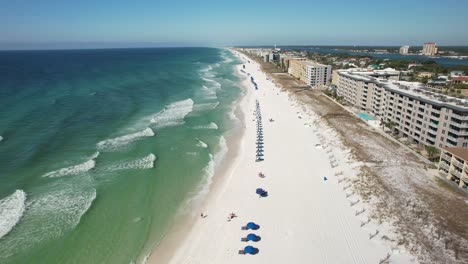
{"x": 431, "y": 150}
{"x": 391, "y": 125}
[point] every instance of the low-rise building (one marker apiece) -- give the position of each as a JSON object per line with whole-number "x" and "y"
{"x": 460, "y": 80}
{"x": 453, "y": 165}
{"x": 425, "y": 74}
{"x": 422, "y": 116}
{"x": 456, "y": 73}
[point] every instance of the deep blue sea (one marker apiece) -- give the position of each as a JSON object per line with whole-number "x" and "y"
{"x": 99, "y": 149}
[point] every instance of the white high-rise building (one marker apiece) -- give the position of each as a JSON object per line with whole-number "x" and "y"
{"x": 429, "y": 48}
{"x": 318, "y": 74}
{"x": 404, "y": 50}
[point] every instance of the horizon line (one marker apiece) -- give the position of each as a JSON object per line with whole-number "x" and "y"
{"x": 155, "y": 46}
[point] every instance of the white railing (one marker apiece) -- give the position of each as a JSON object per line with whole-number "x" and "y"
{"x": 456, "y": 173}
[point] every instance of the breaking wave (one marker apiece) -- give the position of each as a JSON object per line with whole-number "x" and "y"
{"x": 207, "y": 69}
{"x": 143, "y": 163}
{"x": 226, "y": 58}
{"x": 49, "y": 215}
{"x": 212, "y": 125}
{"x": 205, "y": 106}
{"x": 124, "y": 140}
{"x": 214, "y": 82}
{"x": 201, "y": 143}
{"x": 72, "y": 170}
{"x": 173, "y": 114}
{"x": 209, "y": 94}
{"x": 11, "y": 211}
{"x": 1, "y": 138}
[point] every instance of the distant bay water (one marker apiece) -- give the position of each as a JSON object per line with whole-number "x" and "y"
{"x": 99, "y": 149}
{"x": 448, "y": 62}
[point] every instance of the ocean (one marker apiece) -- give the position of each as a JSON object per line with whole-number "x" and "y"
{"x": 101, "y": 149}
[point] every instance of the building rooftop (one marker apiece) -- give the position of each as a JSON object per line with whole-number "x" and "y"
{"x": 459, "y": 152}
{"x": 460, "y": 78}
{"x": 312, "y": 63}
{"x": 414, "y": 90}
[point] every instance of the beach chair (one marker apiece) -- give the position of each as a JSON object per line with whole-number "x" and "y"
{"x": 241, "y": 252}
{"x": 244, "y": 228}
{"x": 244, "y": 239}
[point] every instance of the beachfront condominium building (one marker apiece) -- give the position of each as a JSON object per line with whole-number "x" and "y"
{"x": 453, "y": 165}
{"x": 285, "y": 61}
{"x": 422, "y": 116}
{"x": 404, "y": 50}
{"x": 311, "y": 73}
{"x": 429, "y": 48}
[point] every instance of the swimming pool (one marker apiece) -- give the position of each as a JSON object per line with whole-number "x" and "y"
{"x": 365, "y": 116}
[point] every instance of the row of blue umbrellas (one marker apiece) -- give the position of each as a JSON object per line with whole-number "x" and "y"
{"x": 251, "y": 237}
{"x": 254, "y": 83}
{"x": 259, "y": 142}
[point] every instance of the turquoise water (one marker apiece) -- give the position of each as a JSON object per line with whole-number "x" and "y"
{"x": 365, "y": 116}
{"x": 100, "y": 148}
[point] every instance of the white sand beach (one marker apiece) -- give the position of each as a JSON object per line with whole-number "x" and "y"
{"x": 304, "y": 218}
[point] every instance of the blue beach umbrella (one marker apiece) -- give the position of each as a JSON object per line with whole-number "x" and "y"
{"x": 250, "y": 250}
{"x": 252, "y": 225}
{"x": 252, "y": 237}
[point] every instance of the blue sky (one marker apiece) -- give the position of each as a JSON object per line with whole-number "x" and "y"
{"x": 106, "y": 23}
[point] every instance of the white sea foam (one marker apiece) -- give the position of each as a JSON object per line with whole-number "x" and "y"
{"x": 143, "y": 163}
{"x": 226, "y": 58}
{"x": 208, "y": 68}
{"x": 212, "y": 125}
{"x": 201, "y": 143}
{"x": 95, "y": 155}
{"x": 11, "y": 211}
{"x": 56, "y": 209}
{"x": 205, "y": 106}
{"x": 209, "y": 171}
{"x": 223, "y": 149}
{"x": 191, "y": 153}
{"x": 63, "y": 208}
{"x": 215, "y": 84}
{"x": 72, "y": 170}
{"x": 1, "y": 138}
{"x": 173, "y": 114}
{"x": 209, "y": 94}
{"x": 124, "y": 140}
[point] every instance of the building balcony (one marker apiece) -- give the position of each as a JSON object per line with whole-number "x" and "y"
{"x": 446, "y": 157}
{"x": 457, "y": 163}
{"x": 454, "y": 139}
{"x": 456, "y": 173}
{"x": 444, "y": 165}
{"x": 459, "y": 132}
{"x": 460, "y": 117}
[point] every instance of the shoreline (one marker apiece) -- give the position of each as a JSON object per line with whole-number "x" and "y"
{"x": 185, "y": 221}
{"x": 312, "y": 210}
